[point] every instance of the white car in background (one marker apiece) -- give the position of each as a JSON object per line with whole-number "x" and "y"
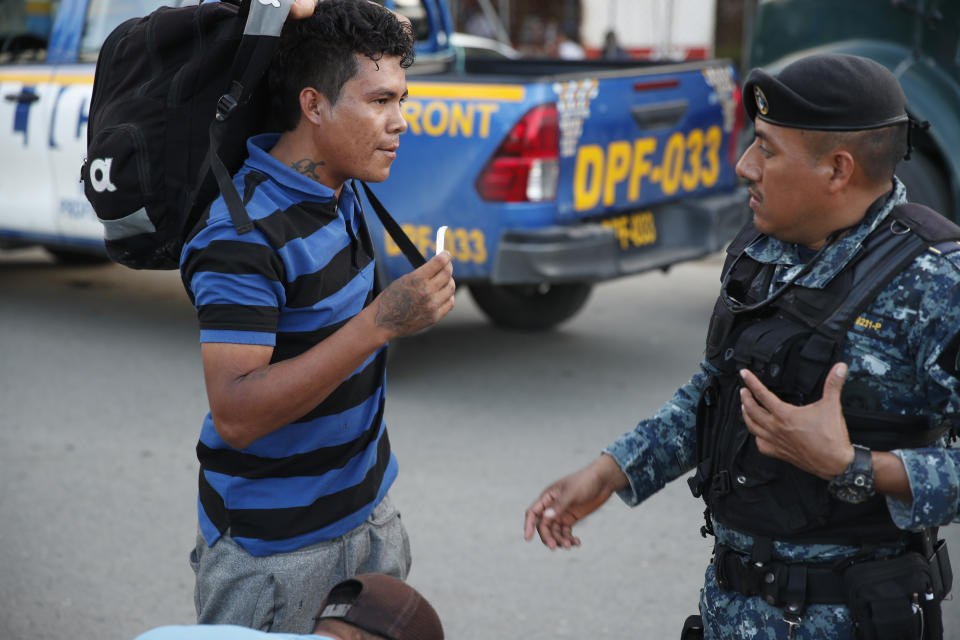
{"x": 472, "y": 46}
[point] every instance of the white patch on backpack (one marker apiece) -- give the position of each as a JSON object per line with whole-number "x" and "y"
{"x": 100, "y": 175}
{"x": 273, "y": 3}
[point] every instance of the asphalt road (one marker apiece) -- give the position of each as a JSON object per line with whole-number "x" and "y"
{"x": 102, "y": 395}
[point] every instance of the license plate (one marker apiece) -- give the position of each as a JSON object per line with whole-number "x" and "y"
{"x": 633, "y": 230}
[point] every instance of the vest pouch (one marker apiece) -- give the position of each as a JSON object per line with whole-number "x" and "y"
{"x": 718, "y": 420}
{"x": 770, "y": 349}
{"x": 770, "y": 497}
{"x": 894, "y": 599}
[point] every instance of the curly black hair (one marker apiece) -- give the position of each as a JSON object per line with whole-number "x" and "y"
{"x": 319, "y": 52}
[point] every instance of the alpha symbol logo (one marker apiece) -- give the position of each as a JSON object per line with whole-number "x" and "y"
{"x": 270, "y": 3}
{"x": 100, "y": 175}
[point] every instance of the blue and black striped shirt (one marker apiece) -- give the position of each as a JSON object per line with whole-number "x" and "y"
{"x": 301, "y": 274}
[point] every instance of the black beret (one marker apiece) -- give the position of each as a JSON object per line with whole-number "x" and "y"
{"x": 827, "y": 91}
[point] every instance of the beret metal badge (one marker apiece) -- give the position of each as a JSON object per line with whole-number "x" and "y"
{"x": 762, "y": 105}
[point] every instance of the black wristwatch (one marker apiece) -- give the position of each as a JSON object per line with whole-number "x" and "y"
{"x": 856, "y": 483}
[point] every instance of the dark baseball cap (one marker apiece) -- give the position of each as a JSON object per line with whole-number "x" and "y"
{"x": 383, "y": 605}
{"x": 827, "y": 92}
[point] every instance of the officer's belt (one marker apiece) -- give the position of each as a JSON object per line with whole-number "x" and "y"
{"x": 780, "y": 584}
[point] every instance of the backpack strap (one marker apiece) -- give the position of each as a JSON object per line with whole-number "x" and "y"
{"x": 413, "y": 255}
{"x": 260, "y": 36}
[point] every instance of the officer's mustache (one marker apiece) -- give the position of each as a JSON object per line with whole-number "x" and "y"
{"x": 750, "y": 184}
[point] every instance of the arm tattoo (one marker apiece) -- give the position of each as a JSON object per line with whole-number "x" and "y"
{"x": 308, "y": 167}
{"x": 398, "y": 309}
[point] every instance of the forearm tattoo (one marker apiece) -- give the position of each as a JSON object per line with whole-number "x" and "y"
{"x": 308, "y": 167}
{"x": 398, "y": 310}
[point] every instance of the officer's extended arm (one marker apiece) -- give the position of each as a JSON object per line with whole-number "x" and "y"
{"x": 570, "y": 499}
{"x": 814, "y": 437}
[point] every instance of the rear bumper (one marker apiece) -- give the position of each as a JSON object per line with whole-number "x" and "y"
{"x": 591, "y": 252}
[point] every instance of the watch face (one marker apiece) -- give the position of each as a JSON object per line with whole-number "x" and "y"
{"x": 850, "y": 492}
{"x": 855, "y": 484}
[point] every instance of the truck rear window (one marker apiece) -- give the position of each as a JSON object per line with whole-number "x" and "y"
{"x": 25, "y": 27}
{"x": 103, "y": 16}
{"x": 414, "y": 11}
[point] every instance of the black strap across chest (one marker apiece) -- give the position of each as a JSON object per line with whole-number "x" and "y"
{"x": 909, "y": 230}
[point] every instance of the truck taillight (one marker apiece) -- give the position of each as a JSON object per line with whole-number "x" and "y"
{"x": 739, "y": 119}
{"x": 524, "y": 167}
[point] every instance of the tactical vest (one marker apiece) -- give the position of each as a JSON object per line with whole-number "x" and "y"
{"x": 790, "y": 340}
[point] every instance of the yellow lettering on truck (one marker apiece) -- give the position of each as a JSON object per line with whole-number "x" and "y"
{"x": 437, "y": 118}
{"x": 689, "y": 161}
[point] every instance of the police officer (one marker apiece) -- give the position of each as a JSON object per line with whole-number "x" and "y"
{"x": 818, "y": 424}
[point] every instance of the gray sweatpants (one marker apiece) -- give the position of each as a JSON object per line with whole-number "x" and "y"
{"x": 283, "y": 592}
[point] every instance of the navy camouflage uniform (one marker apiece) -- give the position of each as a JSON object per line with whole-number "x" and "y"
{"x": 894, "y": 356}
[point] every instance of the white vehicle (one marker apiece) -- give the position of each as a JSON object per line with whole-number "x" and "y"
{"x": 473, "y": 46}
{"x": 46, "y": 72}
{"x": 652, "y": 29}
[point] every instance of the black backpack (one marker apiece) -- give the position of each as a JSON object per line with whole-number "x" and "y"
{"x": 176, "y": 94}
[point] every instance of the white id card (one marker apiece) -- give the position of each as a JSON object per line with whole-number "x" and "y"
{"x": 441, "y": 236}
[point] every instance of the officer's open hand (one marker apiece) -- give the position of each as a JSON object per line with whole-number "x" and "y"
{"x": 570, "y": 499}
{"x": 812, "y": 437}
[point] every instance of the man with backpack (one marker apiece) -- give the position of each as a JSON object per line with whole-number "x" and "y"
{"x": 295, "y": 462}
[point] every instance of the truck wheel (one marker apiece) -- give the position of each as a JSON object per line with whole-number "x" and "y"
{"x": 530, "y": 307}
{"x": 926, "y": 184}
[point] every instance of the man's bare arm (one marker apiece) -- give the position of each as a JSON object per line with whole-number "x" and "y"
{"x": 249, "y": 397}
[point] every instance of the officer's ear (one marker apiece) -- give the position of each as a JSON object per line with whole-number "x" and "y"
{"x": 841, "y": 167}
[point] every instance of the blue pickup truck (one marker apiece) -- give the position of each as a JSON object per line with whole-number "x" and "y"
{"x": 550, "y": 175}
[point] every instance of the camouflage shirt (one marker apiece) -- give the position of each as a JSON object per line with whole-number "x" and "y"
{"x": 892, "y": 351}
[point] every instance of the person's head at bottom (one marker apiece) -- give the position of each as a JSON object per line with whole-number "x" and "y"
{"x": 376, "y": 606}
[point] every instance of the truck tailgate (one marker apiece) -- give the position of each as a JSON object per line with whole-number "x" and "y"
{"x": 629, "y": 142}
